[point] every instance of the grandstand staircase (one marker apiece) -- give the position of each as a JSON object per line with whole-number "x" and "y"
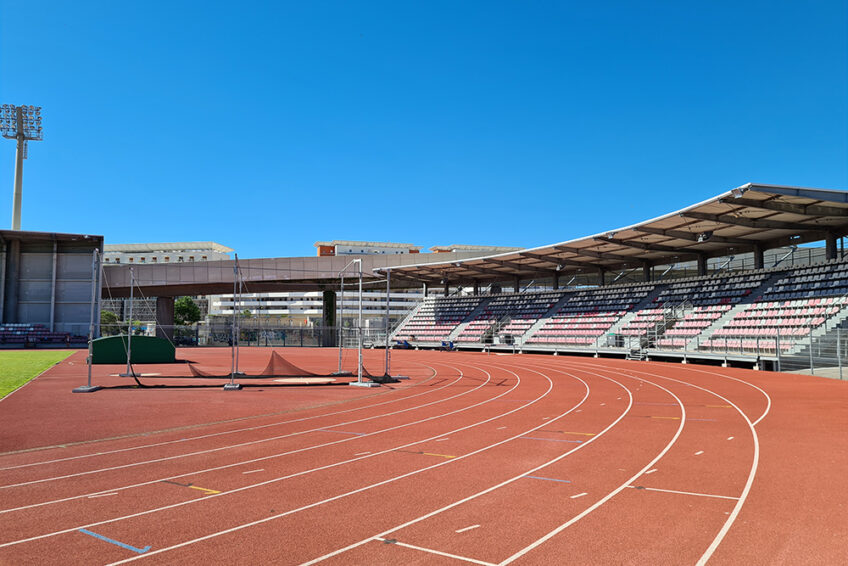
{"x": 672, "y": 314}
{"x": 717, "y": 323}
{"x": 460, "y": 328}
{"x": 649, "y": 299}
{"x": 542, "y": 320}
{"x": 824, "y": 337}
{"x": 406, "y": 318}
{"x": 756, "y": 293}
{"x": 490, "y": 335}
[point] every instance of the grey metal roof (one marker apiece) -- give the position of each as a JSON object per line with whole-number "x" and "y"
{"x": 747, "y": 218}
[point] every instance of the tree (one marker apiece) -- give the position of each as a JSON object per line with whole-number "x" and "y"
{"x": 186, "y": 311}
{"x": 109, "y": 323}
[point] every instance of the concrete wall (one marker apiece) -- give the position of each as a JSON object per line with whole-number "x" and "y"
{"x": 46, "y": 279}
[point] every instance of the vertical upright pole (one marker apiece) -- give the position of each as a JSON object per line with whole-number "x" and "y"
{"x": 19, "y": 170}
{"x": 777, "y": 348}
{"x": 839, "y": 350}
{"x": 812, "y": 369}
{"x": 359, "y": 364}
{"x": 91, "y": 318}
{"x": 340, "y": 321}
{"x": 388, "y": 295}
{"x": 94, "y": 273}
{"x": 233, "y": 328}
{"x": 129, "y": 372}
{"x": 238, "y": 319}
{"x": 232, "y": 385}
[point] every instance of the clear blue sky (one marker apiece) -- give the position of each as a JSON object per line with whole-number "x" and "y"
{"x": 266, "y": 126}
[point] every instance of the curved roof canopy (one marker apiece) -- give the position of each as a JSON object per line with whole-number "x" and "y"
{"x": 750, "y": 218}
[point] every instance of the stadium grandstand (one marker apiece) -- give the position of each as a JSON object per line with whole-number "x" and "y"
{"x": 723, "y": 281}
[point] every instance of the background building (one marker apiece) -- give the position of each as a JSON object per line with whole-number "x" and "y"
{"x": 144, "y": 308}
{"x": 165, "y": 252}
{"x": 350, "y": 247}
{"x": 45, "y": 286}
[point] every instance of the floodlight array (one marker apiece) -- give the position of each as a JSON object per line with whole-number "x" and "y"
{"x": 30, "y": 123}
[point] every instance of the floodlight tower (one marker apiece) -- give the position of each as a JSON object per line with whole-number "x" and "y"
{"x": 21, "y": 123}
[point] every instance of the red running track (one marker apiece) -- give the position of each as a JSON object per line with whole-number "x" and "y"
{"x": 482, "y": 459}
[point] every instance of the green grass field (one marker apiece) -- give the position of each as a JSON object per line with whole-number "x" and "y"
{"x": 17, "y": 367}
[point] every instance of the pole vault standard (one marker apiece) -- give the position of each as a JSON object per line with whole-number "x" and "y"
{"x": 340, "y": 321}
{"x": 130, "y": 372}
{"x": 232, "y": 385}
{"x": 359, "y": 381}
{"x": 95, "y": 271}
{"x": 388, "y": 375}
{"x": 388, "y": 300}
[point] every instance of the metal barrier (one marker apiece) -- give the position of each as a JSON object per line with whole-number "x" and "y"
{"x": 821, "y": 351}
{"x": 262, "y": 335}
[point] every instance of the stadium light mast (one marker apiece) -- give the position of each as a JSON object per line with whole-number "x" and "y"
{"x": 21, "y": 123}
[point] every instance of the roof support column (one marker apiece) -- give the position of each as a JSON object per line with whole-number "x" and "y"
{"x": 424, "y": 290}
{"x": 830, "y": 245}
{"x": 646, "y": 271}
{"x": 328, "y": 316}
{"x": 602, "y": 272}
{"x": 476, "y": 287}
{"x": 759, "y": 256}
{"x": 517, "y": 284}
{"x": 702, "y": 264}
{"x": 556, "y": 280}
{"x": 447, "y": 287}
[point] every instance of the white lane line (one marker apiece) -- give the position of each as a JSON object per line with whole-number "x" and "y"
{"x": 754, "y": 464}
{"x": 699, "y": 452}
{"x": 651, "y": 471}
{"x": 738, "y": 507}
{"x": 214, "y": 434}
{"x": 103, "y": 495}
{"x": 254, "y": 471}
{"x": 766, "y": 395}
{"x": 239, "y": 445}
{"x": 730, "y": 438}
{"x": 684, "y": 492}
{"x": 437, "y": 552}
{"x": 466, "y": 529}
{"x": 327, "y": 466}
{"x": 506, "y": 482}
{"x": 362, "y": 454}
{"x": 263, "y": 458}
{"x": 578, "y": 495}
{"x": 620, "y": 488}
{"x": 402, "y": 476}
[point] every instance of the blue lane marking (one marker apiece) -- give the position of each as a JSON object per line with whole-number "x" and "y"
{"x": 552, "y": 439}
{"x": 344, "y": 432}
{"x": 107, "y": 539}
{"x": 549, "y": 479}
